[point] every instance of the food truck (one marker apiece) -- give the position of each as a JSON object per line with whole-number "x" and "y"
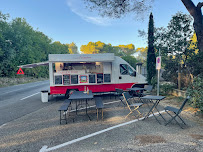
{"x": 95, "y": 72}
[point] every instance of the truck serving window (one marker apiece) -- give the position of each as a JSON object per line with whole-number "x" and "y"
{"x": 124, "y": 69}
{"x": 74, "y": 79}
{"x": 100, "y": 78}
{"x": 107, "y": 77}
{"x": 58, "y": 79}
{"x": 92, "y": 78}
{"x": 66, "y": 79}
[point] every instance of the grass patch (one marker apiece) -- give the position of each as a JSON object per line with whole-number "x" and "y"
{"x": 5, "y": 81}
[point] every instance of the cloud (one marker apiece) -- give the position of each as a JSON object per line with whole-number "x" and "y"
{"x": 77, "y": 7}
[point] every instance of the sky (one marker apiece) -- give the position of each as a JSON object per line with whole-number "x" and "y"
{"x": 69, "y": 21}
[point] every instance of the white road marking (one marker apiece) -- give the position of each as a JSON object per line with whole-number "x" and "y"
{"x": 3, "y": 125}
{"x": 21, "y": 88}
{"x": 45, "y": 149}
{"x": 30, "y": 96}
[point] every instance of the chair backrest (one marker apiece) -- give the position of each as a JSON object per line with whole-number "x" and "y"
{"x": 183, "y": 104}
{"x": 119, "y": 91}
{"x": 148, "y": 87}
{"x": 126, "y": 96}
{"x": 99, "y": 102}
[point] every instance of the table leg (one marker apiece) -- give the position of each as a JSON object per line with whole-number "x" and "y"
{"x": 60, "y": 117}
{"x": 150, "y": 111}
{"x": 76, "y": 107}
{"x": 160, "y": 114}
{"x": 86, "y": 110}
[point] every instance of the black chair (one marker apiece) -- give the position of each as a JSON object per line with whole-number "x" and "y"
{"x": 99, "y": 105}
{"x": 148, "y": 90}
{"x": 176, "y": 113}
{"x": 119, "y": 94}
{"x": 131, "y": 106}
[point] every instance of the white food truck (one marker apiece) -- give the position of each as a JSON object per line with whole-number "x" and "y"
{"x": 95, "y": 72}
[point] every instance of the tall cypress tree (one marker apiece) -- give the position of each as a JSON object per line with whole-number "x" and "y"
{"x": 151, "y": 59}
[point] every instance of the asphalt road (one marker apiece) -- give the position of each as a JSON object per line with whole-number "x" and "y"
{"x": 19, "y": 100}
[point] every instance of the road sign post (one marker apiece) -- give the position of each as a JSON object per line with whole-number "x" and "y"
{"x": 158, "y": 67}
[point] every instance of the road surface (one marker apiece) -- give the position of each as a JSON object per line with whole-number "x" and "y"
{"x": 19, "y": 100}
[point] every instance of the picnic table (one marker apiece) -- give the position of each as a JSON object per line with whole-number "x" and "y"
{"x": 80, "y": 95}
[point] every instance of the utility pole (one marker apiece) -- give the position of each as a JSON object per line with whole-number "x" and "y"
{"x": 158, "y": 67}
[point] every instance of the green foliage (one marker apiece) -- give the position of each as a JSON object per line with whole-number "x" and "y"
{"x": 166, "y": 88}
{"x": 195, "y": 91}
{"x": 20, "y": 44}
{"x": 131, "y": 60}
{"x": 154, "y": 82}
{"x": 151, "y": 59}
{"x": 174, "y": 42}
{"x": 171, "y": 67}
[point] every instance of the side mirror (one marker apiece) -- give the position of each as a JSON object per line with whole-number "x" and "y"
{"x": 134, "y": 74}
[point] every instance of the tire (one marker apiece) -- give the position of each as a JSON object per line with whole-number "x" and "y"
{"x": 69, "y": 92}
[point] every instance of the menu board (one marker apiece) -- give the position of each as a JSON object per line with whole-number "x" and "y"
{"x": 100, "y": 78}
{"x": 92, "y": 78}
{"x": 107, "y": 77}
{"x": 74, "y": 79}
{"x": 66, "y": 79}
{"x": 58, "y": 79}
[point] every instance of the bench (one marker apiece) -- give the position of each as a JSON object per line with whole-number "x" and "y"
{"x": 99, "y": 105}
{"x": 64, "y": 109}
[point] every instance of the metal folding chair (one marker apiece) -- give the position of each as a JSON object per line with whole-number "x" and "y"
{"x": 176, "y": 113}
{"x": 119, "y": 94}
{"x": 148, "y": 90}
{"x": 99, "y": 105}
{"x": 132, "y": 107}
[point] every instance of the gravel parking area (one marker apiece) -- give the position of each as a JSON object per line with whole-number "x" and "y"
{"x": 37, "y": 129}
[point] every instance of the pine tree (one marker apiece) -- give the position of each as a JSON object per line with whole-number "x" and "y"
{"x": 151, "y": 59}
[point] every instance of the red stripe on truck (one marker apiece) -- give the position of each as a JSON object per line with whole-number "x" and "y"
{"x": 93, "y": 88}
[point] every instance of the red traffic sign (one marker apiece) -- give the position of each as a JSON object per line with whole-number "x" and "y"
{"x": 158, "y": 62}
{"x": 20, "y": 71}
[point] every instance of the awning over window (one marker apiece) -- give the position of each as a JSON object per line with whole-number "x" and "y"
{"x": 34, "y": 65}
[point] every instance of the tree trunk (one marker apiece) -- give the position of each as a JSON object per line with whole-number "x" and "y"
{"x": 196, "y": 13}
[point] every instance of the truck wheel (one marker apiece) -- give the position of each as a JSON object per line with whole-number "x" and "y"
{"x": 67, "y": 94}
{"x": 71, "y": 91}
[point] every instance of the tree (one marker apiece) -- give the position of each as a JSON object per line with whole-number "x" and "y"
{"x": 119, "y": 8}
{"x": 196, "y": 13}
{"x": 20, "y": 44}
{"x": 131, "y": 60}
{"x": 151, "y": 59}
{"x": 174, "y": 42}
{"x": 142, "y": 55}
{"x": 73, "y": 49}
{"x": 100, "y": 47}
{"x": 127, "y": 50}
{"x": 194, "y": 59}
{"x": 90, "y": 48}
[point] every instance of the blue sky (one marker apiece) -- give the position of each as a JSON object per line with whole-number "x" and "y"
{"x": 69, "y": 21}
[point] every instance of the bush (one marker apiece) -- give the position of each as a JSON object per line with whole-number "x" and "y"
{"x": 166, "y": 88}
{"x": 195, "y": 91}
